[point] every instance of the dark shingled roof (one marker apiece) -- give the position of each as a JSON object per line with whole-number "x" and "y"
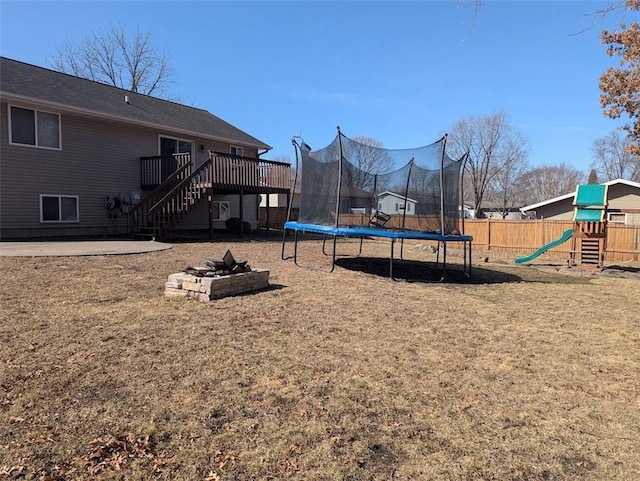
{"x": 37, "y": 83}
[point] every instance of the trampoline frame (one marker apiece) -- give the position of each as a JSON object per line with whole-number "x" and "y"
{"x": 363, "y": 232}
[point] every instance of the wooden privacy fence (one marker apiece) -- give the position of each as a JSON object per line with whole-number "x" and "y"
{"x": 515, "y": 238}
{"x": 524, "y": 237}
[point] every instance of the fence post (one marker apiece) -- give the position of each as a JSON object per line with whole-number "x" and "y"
{"x": 540, "y": 225}
{"x": 488, "y": 234}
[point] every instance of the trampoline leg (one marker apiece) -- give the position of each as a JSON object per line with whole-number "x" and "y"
{"x": 284, "y": 240}
{"x": 333, "y": 258}
{"x": 444, "y": 260}
{"x": 295, "y": 248}
{"x": 393, "y": 241}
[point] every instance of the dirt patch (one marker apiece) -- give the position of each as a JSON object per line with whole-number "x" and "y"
{"x": 523, "y": 373}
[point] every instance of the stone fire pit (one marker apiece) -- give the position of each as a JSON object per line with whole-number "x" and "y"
{"x": 219, "y": 278}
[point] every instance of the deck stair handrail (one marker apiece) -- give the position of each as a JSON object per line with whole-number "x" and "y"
{"x": 167, "y": 212}
{"x": 140, "y": 212}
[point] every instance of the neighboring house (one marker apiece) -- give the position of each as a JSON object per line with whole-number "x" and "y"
{"x": 281, "y": 200}
{"x": 623, "y": 208}
{"x": 466, "y": 211}
{"x": 83, "y": 158}
{"x": 493, "y": 210}
{"x": 392, "y": 203}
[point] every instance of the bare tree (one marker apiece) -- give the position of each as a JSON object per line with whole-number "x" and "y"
{"x": 612, "y": 158}
{"x": 111, "y": 57}
{"x": 493, "y": 144}
{"x": 504, "y": 189}
{"x": 369, "y": 157}
{"x": 548, "y": 181}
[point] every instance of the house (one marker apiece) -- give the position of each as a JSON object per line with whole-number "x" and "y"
{"x": 392, "y": 203}
{"x": 623, "y": 208}
{"x": 81, "y": 158}
{"x": 495, "y": 210}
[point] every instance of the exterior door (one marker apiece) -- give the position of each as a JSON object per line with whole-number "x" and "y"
{"x": 170, "y": 146}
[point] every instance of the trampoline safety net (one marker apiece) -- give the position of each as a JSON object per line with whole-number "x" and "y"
{"x": 352, "y": 184}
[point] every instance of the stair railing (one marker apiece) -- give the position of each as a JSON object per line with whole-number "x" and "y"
{"x": 168, "y": 211}
{"x": 140, "y": 212}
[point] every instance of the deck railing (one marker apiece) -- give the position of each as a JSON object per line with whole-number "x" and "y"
{"x": 259, "y": 175}
{"x": 228, "y": 172}
{"x": 155, "y": 169}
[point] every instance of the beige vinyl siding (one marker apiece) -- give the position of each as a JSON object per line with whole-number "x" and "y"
{"x": 98, "y": 158}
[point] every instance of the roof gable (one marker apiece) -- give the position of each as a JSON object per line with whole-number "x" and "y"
{"x": 22, "y": 81}
{"x": 572, "y": 194}
{"x": 387, "y": 193}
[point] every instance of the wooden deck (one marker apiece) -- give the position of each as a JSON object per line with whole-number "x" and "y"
{"x": 226, "y": 173}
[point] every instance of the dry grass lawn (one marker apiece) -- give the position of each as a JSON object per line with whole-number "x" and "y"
{"x": 521, "y": 374}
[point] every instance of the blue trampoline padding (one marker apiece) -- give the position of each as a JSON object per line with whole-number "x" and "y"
{"x": 365, "y": 231}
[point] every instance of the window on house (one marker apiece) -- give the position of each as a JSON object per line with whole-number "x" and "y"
{"x": 239, "y": 151}
{"x": 170, "y": 146}
{"x": 34, "y": 127}
{"x": 617, "y": 217}
{"x": 408, "y": 207}
{"x": 220, "y": 210}
{"x": 58, "y": 208}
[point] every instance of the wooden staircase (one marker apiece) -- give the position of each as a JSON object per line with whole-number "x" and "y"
{"x": 168, "y": 204}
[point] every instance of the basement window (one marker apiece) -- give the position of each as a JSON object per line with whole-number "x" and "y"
{"x": 220, "y": 210}
{"x": 58, "y": 208}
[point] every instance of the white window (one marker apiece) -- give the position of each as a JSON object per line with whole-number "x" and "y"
{"x": 617, "y": 217}
{"x": 34, "y": 127}
{"x": 220, "y": 210}
{"x": 58, "y": 208}
{"x": 239, "y": 151}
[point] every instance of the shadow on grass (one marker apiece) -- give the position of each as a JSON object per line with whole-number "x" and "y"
{"x": 429, "y": 272}
{"x": 632, "y": 271}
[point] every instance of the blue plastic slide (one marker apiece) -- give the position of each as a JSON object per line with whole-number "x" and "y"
{"x": 565, "y": 237}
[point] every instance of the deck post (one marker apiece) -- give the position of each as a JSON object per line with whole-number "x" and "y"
{"x": 241, "y": 212}
{"x": 267, "y": 214}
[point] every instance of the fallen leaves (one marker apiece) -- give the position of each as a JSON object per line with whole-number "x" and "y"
{"x": 118, "y": 451}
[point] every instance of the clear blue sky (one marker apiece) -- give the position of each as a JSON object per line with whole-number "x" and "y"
{"x": 400, "y": 72}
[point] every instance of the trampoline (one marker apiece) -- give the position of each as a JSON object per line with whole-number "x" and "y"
{"x": 354, "y": 188}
